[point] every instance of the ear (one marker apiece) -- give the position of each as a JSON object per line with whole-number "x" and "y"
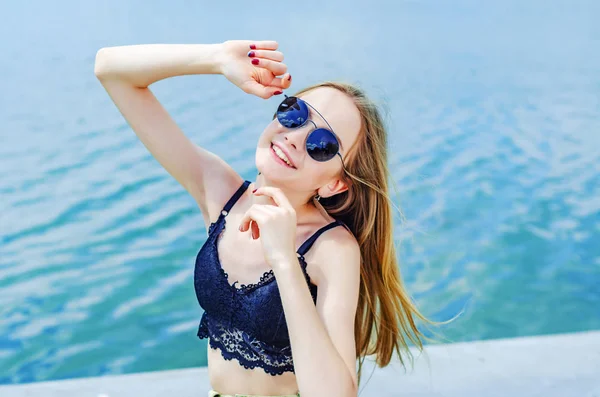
{"x": 331, "y": 189}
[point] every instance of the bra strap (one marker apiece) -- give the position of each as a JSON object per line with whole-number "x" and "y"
{"x": 234, "y": 198}
{"x": 308, "y": 243}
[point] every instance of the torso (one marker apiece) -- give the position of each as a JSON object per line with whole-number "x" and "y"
{"x": 243, "y": 260}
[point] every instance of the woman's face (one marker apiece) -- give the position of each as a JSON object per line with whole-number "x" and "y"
{"x": 343, "y": 117}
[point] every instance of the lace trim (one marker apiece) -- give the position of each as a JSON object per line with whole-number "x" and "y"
{"x": 264, "y": 279}
{"x": 247, "y": 350}
{"x": 267, "y": 276}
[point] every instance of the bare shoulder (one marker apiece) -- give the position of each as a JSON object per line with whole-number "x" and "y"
{"x": 335, "y": 250}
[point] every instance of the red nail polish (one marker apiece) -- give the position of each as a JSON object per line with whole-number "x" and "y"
{"x": 289, "y": 77}
{"x": 255, "y": 61}
{"x": 254, "y": 191}
{"x": 251, "y": 54}
{"x": 277, "y": 93}
{"x": 253, "y": 46}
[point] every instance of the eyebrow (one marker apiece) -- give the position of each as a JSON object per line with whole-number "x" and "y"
{"x": 311, "y": 113}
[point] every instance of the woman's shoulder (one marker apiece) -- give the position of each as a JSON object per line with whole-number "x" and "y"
{"x": 333, "y": 247}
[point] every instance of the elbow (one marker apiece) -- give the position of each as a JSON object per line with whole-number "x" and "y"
{"x": 101, "y": 65}
{"x": 346, "y": 388}
{"x": 352, "y": 390}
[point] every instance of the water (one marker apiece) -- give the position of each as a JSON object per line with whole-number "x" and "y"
{"x": 494, "y": 116}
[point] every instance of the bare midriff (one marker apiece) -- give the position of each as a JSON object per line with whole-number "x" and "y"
{"x": 229, "y": 377}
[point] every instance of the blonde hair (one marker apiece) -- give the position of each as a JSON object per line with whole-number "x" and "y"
{"x": 385, "y": 315}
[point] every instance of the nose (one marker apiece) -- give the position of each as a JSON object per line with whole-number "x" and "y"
{"x": 297, "y": 137}
{"x": 291, "y": 142}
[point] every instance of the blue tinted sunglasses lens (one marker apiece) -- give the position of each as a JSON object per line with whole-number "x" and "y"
{"x": 292, "y": 112}
{"x": 322, "y": 145}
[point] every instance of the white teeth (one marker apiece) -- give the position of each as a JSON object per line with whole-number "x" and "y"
{"x": 281, "y": 155}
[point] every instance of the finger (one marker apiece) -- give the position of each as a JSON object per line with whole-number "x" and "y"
{"x": 276, "y": 194}
{"x": 257, "y": 215}
{"x": 253, "y": 228}
{"x": 277, "y": 68}
{"x": 266, "y": 210}
{"x": 264, "y": 54}
{"x": 264, "y": 45}
{"x": 253, "y": 87}
{"x": 255, "y": 231}
{"x": 282, "y": 82}
{"x": 253, "y": 215}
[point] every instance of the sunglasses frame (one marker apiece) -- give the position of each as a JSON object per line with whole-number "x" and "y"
{"x": 316, "y": 128}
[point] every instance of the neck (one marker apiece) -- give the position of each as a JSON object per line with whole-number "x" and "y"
{"x": 300, "y": 201}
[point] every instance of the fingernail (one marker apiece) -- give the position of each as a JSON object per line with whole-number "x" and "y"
{"x": 251, "y": 54}
{"x": 289, "y": 77}
{"x": 255, "y": 61}
{"x": 277, "y": 93}
{"x": 253, "y": 46}
{"x": 254, "y": 191}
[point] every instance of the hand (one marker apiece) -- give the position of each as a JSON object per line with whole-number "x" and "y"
{"x": 275, "y": 225}
{"x": 260, "y": 80}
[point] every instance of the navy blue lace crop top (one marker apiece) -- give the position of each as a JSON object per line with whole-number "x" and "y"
{"x": 245, "y": 323}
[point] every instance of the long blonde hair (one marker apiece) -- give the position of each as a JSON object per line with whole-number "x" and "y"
{"x": 385, "y": 314}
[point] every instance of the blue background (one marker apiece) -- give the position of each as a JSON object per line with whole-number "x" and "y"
{"x": 493, "y": 111}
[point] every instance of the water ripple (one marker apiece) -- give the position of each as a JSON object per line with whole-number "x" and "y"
{"x": 492, "y": 144}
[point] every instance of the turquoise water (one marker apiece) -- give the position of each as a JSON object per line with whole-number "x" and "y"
{"x": 494, "y": 115}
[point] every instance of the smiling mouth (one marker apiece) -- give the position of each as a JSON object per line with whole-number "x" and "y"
{"x": 280, "y": 159}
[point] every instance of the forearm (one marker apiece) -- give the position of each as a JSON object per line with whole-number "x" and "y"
{"x": 144, "y": 64}
{"x": 320, "y": 371}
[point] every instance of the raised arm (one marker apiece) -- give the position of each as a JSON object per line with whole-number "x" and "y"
{"x": 127, "y": 71}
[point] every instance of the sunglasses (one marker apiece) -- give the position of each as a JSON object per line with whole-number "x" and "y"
{"x": 321, "y": 144}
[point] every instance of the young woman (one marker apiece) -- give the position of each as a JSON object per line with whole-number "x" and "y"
{"x": 325, "y": 295}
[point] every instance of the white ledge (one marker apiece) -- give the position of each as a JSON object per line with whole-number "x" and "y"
{"x": 561, "y": 365}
